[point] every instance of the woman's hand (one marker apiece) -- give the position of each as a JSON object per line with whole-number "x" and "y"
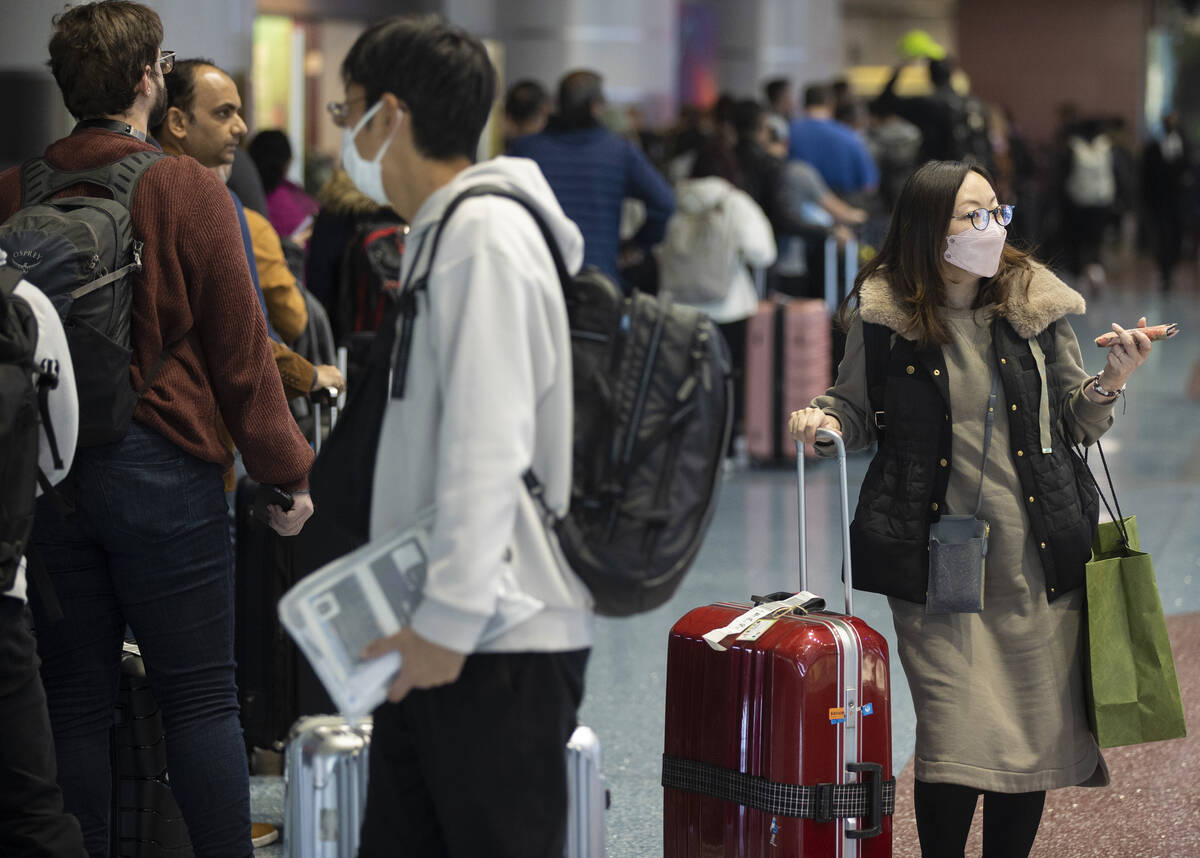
{"x": 1125, "y": 355}
{"x": 803, "y": 425}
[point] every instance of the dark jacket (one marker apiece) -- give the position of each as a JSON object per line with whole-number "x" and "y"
{"x": 906, "y": 483}
{"x": 344, "y": 209}
{"x": 592, "y": 171}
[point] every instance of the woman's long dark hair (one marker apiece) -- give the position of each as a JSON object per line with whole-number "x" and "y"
{"x": 911, "y": 256}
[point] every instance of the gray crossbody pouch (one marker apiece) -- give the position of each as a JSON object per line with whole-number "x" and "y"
{"x": 958, "y": 546}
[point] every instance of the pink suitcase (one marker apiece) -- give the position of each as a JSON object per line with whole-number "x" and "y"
{"x": 788, "y": 362}
{"x": 779, "y": 744}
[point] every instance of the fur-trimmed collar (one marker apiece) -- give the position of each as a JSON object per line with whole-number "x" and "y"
{"x": 1047, "y": 300}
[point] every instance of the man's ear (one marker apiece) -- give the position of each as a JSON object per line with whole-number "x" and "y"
{"x": 146, "y": 84}
{"x": 393, "y": 109}
{"x": 176, "y": 123}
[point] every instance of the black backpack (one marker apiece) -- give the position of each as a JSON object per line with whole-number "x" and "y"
{"x": 370, "y": 267}
{"x": 81, "y": 252}
{"x": 969, "y": 127}
{"x": 24, "y": 389}
{"x": 653, "y": 411}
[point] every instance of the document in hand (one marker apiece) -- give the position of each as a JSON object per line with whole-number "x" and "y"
{"x": 372, "y": 593}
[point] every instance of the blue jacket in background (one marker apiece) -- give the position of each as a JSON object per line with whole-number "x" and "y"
{"x": 592, "y": 171}
{"x": 837, "y": 153}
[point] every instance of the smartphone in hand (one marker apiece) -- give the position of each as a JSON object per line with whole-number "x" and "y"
{"x": 270, "y": 496}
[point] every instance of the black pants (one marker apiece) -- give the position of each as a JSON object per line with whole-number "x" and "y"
{"x": 1084, "y": 229}
{"x": 735, "y": 337}
{"x": 32, "y": 821}
{"x": 945, "y": 811}
{"x": 477, "y": 767}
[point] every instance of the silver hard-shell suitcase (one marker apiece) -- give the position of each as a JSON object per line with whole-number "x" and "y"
{"x": 326, "y": 767}
{"x": 325, "y": 785}
{"x": 587, "y": 796}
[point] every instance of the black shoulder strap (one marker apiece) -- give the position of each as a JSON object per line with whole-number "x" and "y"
{"x": 877, "y": 345}
{"x": 1048, "y": 340}
{"x": 493, "y": 191}
{"x": 416, "y": 284}
{"x": 40, "y": 181}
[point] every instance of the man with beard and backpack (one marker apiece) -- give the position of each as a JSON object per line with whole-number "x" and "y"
{"x": 181, "y": 335}
{"x": 469, "y": 408}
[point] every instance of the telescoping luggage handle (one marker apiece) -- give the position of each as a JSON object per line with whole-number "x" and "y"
{"x": 834, "y": 296}
{"x": 840, "y": 445}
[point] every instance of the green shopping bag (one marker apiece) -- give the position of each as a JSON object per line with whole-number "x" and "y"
{"x": 1132, "y": 688}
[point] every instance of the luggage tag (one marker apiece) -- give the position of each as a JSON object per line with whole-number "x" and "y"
{"x": 804, "y": 601}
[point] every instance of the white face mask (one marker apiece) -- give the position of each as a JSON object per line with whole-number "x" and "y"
{"x": 366, "y": 175}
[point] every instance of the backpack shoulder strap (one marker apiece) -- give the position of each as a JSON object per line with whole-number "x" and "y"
{"x": 494, "y": 191}
{"x": 877, "y": 344}
{"x": 40, "y": 181}
{"x": 9, "y": 280}
{"x": 415, "y": 284}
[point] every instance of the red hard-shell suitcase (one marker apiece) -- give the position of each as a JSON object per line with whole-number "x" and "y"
{"x": 781, "y": 744}
{"x": 787, "y": 364}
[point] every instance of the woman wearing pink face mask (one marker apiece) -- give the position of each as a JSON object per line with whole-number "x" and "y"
{"x": 961, "y": 365}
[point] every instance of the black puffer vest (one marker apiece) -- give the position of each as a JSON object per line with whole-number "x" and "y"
{"x": 905, "y": 486}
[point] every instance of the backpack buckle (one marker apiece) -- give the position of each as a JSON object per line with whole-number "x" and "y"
{"x": 880, "y": 419}
{"x": 538, "y": 492}
{"x": 48, "y": 374}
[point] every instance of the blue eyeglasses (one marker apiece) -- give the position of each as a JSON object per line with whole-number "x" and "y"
{"x": 980, "y": 218}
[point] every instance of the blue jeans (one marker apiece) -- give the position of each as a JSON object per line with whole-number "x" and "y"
{"x": 149, "y": 547}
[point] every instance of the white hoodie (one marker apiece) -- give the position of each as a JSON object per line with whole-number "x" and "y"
{"x": 744, "y": 226}
{"x": 488, "y": 394}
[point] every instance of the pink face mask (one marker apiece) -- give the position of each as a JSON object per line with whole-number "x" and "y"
{"x": 977, "y": 251}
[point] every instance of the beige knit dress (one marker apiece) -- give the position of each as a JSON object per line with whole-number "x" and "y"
{"x": 998, "y": 695}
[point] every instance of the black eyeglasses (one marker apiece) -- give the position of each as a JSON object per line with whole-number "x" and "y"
{"x": 980, "y": 218}
{"x": 340, "y": 110}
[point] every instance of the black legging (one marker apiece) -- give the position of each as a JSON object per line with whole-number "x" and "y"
{"x": 945, "y": 811}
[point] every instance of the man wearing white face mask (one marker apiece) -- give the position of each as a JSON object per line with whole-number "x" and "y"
{"x": 960, "y": 363}
{"x": 481, "y": 394}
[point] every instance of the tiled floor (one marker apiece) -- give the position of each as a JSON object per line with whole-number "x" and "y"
{"x": 1154, "y": 449}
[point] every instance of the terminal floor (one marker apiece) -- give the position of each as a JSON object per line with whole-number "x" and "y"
{"x": 1154, "y": 449}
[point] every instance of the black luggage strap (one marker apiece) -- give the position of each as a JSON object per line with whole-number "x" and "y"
{"x": 872, "y": 797}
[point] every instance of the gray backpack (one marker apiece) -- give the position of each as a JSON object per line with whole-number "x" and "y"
{"x": 699, "y": 255}
{"x": 81, "y": 252}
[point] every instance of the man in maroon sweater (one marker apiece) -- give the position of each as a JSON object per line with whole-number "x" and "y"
{"x": 148, "y": 544}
